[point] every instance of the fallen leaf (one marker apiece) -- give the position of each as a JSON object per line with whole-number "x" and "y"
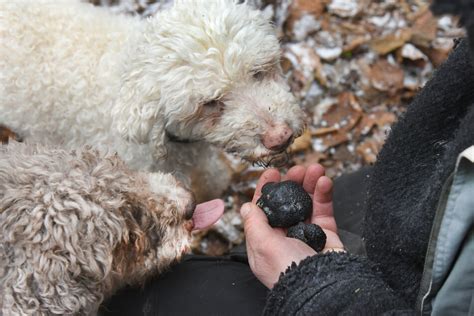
{"x": 344, "y": 8}
{"x": 310, "y": 158}
{"x": 334, "y": 139}
{"x": 338, "y": 120}
{"x": 212, "y": 245}
{"x": 424, "y": 29}
{"x": 298, "y": 8}
{"x": 355, "y": 42}
{"x": 285, "y": 64}
{"x": 315, "y": 7}
{"x": 324, "y": 130}
{"x": 343, "y": 154}
{"x": 391, "y": 41}
{"x": 342, "y": 115}
{"x": 409, "y": 51}
{"x": 386, "y": 77}
{"x": 439, "y": 50}
{"x": 368, "y": 150}
{"x": 368, "y": 121}
{"x": 247, "y": 175}
{"x": 302, "y": 143}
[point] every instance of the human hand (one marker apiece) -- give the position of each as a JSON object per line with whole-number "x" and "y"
{"x": 270, "y": 252}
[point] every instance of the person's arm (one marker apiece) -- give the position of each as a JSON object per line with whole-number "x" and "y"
{"x": 333, "y": 283}
{"x": 303, "y": 282}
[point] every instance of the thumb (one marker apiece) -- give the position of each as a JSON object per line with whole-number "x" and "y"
{"x": 255, "y": 222}
{"x": 251, "y": 212}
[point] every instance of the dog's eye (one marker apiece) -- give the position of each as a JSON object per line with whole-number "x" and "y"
{"x": 259, "y": 75}
{"x": 213, "y": 103}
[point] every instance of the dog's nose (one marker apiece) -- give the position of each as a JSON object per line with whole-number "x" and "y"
{"x": 277, "y": 138}
{"x": 189, "y": 208}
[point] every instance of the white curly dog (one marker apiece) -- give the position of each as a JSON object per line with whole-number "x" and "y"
{"x": 76, "y": 226}
{"x": 162, "y": 92}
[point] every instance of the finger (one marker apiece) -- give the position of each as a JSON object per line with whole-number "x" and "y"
{"x": 323, "y": 191}
{"x": 322, "y": 204}
{"x": 256, "y": 225}
{"x": 333, "y": 242}
{"x": 296, "y": 174}
{"x": 270, "y": 175}
{"x": 313, "y": 173}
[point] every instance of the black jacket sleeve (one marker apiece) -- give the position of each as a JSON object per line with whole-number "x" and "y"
{"x": 333, "y": 284}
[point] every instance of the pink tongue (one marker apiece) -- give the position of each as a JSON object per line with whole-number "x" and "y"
{"x": 207, "y": 213}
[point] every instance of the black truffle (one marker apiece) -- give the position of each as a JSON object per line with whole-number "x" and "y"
{"x": 288, "y": 205}
{"x": 311, "y": 234}
{"x": 285, "y": 203}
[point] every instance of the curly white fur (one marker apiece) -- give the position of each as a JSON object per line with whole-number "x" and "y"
{"x": 205, "y": 71}
{"x": 75, "y": 226}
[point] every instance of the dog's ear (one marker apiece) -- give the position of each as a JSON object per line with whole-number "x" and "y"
{"x": 133, "y": 115}
{"x": 137, "y": 114}
{"x": 158, "y": 139}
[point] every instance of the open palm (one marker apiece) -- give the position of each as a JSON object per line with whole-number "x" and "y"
{"x": 319, "y": 187}
{"x": 270, "y": 252}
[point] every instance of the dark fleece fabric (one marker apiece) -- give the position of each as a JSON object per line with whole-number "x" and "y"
{"x": 417, "y": 158}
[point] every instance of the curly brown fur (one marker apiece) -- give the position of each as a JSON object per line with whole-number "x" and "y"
{"x": 78, "y": 225}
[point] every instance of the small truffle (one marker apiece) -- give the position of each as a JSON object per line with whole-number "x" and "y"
{"x": 285, "y": 203}
{"x": 311, "y": 234}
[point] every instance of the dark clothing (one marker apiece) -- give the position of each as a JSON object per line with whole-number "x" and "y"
{"x": 350, "y": 200}
{"x": 199, "y": 285}
{"x": 333, "y": 284}
{"x": 350, "y": 204}
{"x": 403, "y": 193}
{"x": 412, "y": 167}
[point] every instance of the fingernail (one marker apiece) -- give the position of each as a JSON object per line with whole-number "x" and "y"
{"x": 245, "y": 209}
